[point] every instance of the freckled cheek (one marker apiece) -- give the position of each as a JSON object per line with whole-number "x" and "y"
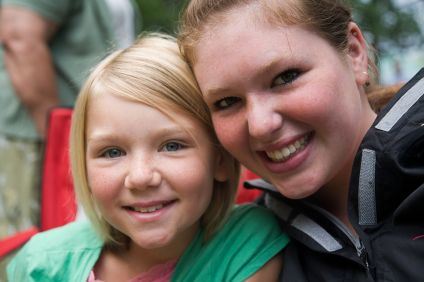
{"x": 193, "y": 180}
{"x": 316, "y": 110}
{"x": 331, "y": 117}
{"x": 103, "y": 185}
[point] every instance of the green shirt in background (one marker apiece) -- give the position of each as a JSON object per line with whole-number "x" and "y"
{"x": 250, "y": 237}
{"x": 84, "y": 37}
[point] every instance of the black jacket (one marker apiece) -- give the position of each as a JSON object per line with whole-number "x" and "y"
{"x": 321, "y": 247}
{"x": 387, "y": 187}
{"x": 386, "y": 206}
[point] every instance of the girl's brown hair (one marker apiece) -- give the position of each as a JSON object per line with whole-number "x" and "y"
{"x": 329, "y": 18}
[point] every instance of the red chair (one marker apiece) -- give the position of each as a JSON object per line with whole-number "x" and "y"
{"x": 58, "y": 205}
{"x": 11, "y": 243}
{"x": 246, "y": 195}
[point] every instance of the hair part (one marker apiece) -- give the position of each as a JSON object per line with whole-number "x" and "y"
{"x": 152, "y": 72}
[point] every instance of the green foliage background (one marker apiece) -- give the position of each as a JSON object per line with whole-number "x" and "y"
{"x": 388, "y": 26}
{"x": 385, "y": 25}
{"x": 160, "y": 15}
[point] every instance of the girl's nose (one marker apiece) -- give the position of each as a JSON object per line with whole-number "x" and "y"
{"x": 142, "y": 175}
{"x": 262, "y": 118}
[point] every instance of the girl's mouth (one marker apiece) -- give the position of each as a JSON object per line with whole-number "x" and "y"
{"x": 290, "y": 150}
{"x": 149, "y": 209}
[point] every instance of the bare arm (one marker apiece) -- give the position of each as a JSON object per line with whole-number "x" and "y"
{"x": 25, "y": 35}
{"x": 269, "y": 272}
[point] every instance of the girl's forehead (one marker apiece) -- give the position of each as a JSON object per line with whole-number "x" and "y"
{"x": 273, "y": 13}
{"x": 174, "y": 112}
{"x": 241, "y": 26}
{"x": 251, "y": 12}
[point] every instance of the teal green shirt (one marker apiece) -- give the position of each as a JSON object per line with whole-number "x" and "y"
{"x": 84, "y": 37}
{"x": 249, "y": 238}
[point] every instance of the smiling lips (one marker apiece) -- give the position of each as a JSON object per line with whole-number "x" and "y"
{"x": 289, "y": 151}
{"x": 149, "y": 209}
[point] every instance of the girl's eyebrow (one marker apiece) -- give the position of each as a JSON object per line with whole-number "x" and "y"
{"x": 268, "y": 67}
{"x": 216, "y": 91}
{"x": 100, "y": 136}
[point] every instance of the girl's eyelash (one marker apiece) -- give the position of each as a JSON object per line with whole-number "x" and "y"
{"x": 172, "y": 146}
{"x": 286, "y": 77}
{"x": 225, "y": 103}
{"x": 112, "y": 153}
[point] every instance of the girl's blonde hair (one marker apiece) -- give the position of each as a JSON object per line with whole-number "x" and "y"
{"x": 153, "y": 72}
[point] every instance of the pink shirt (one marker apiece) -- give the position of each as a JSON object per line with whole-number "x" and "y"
{"x": 158, "y": 273}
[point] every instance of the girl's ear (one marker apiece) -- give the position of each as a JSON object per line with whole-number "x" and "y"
{"x": 222, "y": 163}
{"x": 357, "y": 53}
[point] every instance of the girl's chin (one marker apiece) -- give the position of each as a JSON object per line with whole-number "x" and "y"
{"x": 294, "y": 191}
{"x": 149, "y": 244}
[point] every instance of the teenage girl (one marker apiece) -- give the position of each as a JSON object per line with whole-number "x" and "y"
{"x": 286, "y": 83}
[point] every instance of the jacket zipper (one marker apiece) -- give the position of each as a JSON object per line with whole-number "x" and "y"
{"x": 356, "y": 242}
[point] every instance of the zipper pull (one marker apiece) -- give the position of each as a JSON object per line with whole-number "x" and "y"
{"x": 362, "y": 254}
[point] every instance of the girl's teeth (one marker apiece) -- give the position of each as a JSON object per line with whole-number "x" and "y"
{"x": 297, "y": 144}
{"x": 288, "y": 151}
{"x": 149, "y": 209}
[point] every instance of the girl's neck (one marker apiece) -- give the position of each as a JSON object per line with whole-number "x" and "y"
{"x": 334, "y": 195}
{"x": 125, "y": 264}
{"x": 334, "y": 199}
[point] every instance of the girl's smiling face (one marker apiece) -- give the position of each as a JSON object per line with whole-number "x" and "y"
{"x": 284, "y": 102}
{"x": 150, "y": 176}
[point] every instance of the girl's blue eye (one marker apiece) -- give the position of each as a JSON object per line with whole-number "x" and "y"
{"x": 113, "y": 153}
{"x": 172, "y": 146}
{"x": 225, "y": 103}
{"x": 286, "y": 77}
